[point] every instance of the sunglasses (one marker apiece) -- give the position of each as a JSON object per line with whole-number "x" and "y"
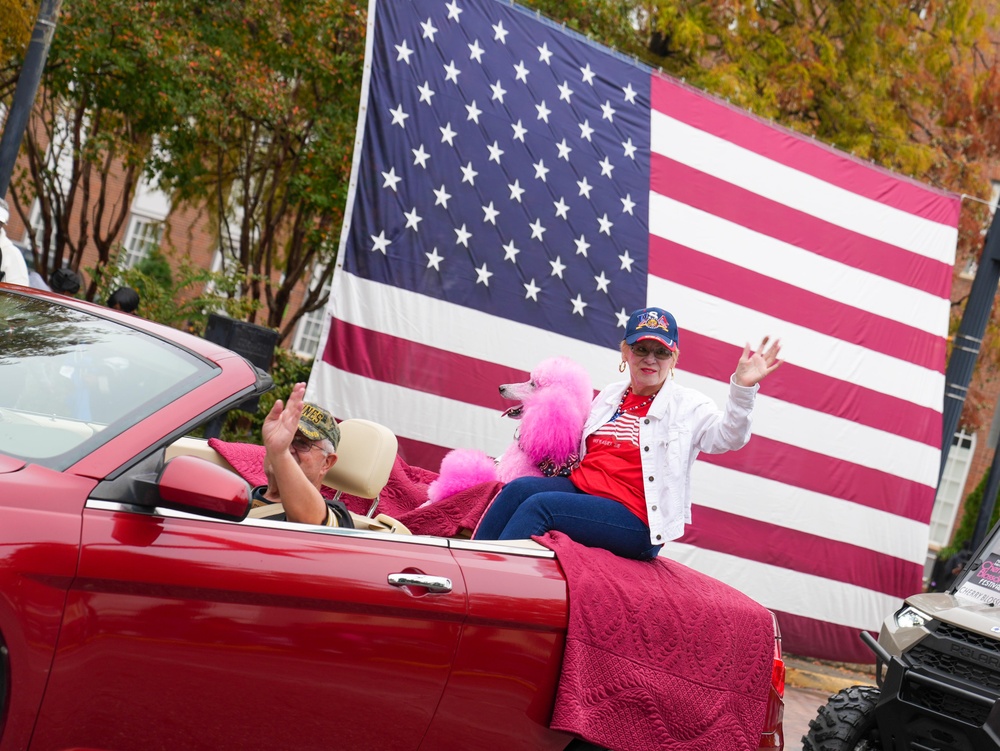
{"x": 642, "y": 351}
{"x": 304, "y": 446}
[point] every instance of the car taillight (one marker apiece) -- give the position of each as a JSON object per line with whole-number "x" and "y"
{"x": 778, "y": 675}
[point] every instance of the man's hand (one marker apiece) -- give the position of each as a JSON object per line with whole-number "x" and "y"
{"x": 754, "y": 366}
{"x": 282, "y": 422}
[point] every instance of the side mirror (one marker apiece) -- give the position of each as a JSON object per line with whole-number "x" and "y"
{"x": 196, "y": 486}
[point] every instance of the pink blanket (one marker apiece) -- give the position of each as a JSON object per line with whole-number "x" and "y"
{"x": 404, "y": 492}
{"x": 659, "y": 656}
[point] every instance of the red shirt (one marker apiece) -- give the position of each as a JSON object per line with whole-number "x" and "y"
{"x": 612, "y": 467}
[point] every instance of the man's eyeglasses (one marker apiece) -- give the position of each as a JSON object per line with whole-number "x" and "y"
{"x": 304, "y": 445}
{"x": 642, "y": 351}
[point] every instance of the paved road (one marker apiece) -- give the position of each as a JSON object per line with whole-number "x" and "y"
{"x": 800, "y": 707}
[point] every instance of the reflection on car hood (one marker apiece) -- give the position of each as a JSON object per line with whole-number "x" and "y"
{"x": 10, "y": 464}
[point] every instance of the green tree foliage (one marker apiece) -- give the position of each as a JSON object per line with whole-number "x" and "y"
{"x": 272, "y": 108}
{"x": 15, "y": 31}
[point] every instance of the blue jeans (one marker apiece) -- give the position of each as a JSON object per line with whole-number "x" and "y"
{"x": 534, "y": 505}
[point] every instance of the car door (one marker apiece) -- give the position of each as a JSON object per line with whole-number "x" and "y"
{"x": 199, "y": 634}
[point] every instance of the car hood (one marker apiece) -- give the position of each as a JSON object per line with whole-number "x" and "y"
{"x": 10, "y": 464}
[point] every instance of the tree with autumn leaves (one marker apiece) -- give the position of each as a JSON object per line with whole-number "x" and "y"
{"x": 245, "y": 109}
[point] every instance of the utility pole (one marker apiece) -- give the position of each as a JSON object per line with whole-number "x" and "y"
{"x": 969, "y": 338}
{"x": 27, "y": 87}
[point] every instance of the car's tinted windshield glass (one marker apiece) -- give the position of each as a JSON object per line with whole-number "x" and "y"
{"x": 70, "y": 381}
{"x": 981, "y": 581}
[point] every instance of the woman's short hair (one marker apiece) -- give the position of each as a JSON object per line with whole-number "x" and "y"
{"x": 124, "y": 299}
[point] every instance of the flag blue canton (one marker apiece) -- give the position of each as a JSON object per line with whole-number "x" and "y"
{"x": 504, "y": 167}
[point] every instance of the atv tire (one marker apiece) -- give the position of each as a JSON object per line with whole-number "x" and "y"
{"x": 846, "y": 722}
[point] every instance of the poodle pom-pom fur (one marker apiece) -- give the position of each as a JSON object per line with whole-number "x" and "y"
{"x": 461, "y": 469}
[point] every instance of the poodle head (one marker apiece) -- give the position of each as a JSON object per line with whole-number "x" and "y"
{"x": 561, "y": 375}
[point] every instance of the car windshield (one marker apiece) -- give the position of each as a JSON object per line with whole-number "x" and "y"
{"x": 980, "y": 581}
{"x": 70, "y": 381}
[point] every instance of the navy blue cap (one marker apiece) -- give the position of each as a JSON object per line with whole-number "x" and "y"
{"x": 652, "y": 323}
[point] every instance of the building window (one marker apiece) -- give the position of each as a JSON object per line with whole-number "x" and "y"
{"x": 309, "y": 329}
{"x": 949, "y": 495}
{"x": 141, "y": 239}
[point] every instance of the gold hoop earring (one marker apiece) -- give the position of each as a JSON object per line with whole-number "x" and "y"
{"x": 671, "y": 374}
{"x": 621, "y": 367}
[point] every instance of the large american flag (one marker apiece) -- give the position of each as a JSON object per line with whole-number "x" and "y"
{"x": 518, "y": 190}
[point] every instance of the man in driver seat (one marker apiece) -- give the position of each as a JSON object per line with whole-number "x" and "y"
{"x": 301, "y": 445}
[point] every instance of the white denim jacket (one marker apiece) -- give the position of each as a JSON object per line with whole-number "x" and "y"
{"x": 681, "y": 422}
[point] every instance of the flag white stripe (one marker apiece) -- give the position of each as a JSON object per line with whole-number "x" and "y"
{"x": 790, "y": 591}
{"x": 725, "y": 321}
{"x": 773, "y": 258}
{"x": 766, "y": 500}
{"x": 758, "y": 174}
{"x": 833, "y": 436}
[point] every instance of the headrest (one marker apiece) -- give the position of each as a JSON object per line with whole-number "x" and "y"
{"x": 365, "y": 457}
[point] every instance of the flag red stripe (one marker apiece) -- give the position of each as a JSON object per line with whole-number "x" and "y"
{"x": 827, "y": 475}
{"x": 759, "y": 541}
{"x": 711, "y": 358}
{"x": 755, "y": 212}
{"x": 811, "y": 157}
{"x": 788, "y": 302}
{"x": 822, "y": 639}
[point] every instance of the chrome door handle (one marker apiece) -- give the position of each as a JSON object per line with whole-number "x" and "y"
{"x": 439, "y": 584}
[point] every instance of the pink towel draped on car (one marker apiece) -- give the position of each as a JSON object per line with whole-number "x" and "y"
{"x": 402, "y": 497}
{"x": 659, "y": 656}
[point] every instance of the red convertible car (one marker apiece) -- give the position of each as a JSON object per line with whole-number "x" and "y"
{"x": 141, "y": 609}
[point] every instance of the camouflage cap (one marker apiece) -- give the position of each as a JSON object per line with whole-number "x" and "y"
{"x": 316, "y": 424}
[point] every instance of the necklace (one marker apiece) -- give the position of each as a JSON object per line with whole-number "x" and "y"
{"x": 622, "y": 409}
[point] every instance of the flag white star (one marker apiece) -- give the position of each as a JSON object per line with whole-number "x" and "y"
{"x": 451, "y": 72}
{"x": 500, "y": 33}
{"x": 565, "y": 92}
{"x": 562, "y": 208}
{"x": 420, "y": 157}
{"x": 462, "y": 236}
{"x": 442, "y": 196}
{"x": 498, "y": 91}
{"x": 626, "y": 260}
{"x": 557, "y": 267}
{"x": 628, "y": 204}
{"x": 476, "y": 52}
{"x": 530, "y": 290}
{"x": 540, "y": 170}
{"x": 606, "y": 167}
{"x": 622, "y": 317}
{"x": 588, "y": 74}
{"x": 469, "y": 174}
{"x": 585, "y": 130}
{"x": 629, "y": 94}
{"x": 490, "y": 214}
{"x": 519, "y": 131}
{"x": 474, "y": 112}
{"x": 434, "y": 259}
{"x": 585, "y": 187}
{"x": 544, "y": 53}
{"x": 515, "y": 191}
{"x": 629, "y": 149}
{"x": 581, "y": 246}
{"x": 404, "y": 52}
{"x": 398, "y": 116}
{"x": 607, "y": 112}
{"x": 537, "y": 230}
{"x": 602, "y": 283}
{"x": 483, "y": 276}
{"x": 453, "y": 10}
{"x": 578, "y": 305}
{"x": 391, "y": 180}
{"x": 543, "y": 111}
{"x": 448, "y": 135}
{"x": 564, "y": 149}
{"x": 521, "y": 72}
{"x": 510, "y": 252}
{"x": 426, "y": 92}
{"x": 429, "y": 29}
{"x": 380, "y": 242}
{"x": 495, "y": 152}
{"x": 605, "y": 225}
{"x": 412, "y": 219}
